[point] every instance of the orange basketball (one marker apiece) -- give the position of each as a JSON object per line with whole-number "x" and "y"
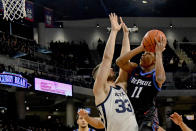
{"x": 149, "y": 39}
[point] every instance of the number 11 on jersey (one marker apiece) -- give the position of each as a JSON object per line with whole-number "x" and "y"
{"x": 136, "y": 92}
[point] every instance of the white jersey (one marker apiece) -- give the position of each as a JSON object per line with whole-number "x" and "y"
{"x": 117, "y": 112}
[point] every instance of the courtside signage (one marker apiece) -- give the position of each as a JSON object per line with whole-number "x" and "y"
{"x": 7, "y": 78}
{"x": 53, "y": 87}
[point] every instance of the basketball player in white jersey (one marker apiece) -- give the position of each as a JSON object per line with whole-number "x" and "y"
{"x": 111, "y": 99}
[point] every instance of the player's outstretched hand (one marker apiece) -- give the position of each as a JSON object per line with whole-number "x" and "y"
{"x": 83, "y": 113}
{"x": 124, "y": 27}
{"x": 176, "y": 118}
{"x": 115, "y": 26}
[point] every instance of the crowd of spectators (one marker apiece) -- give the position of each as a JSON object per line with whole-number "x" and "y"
{"x": 76, "y": 57}
{"x": 71, "y": 55}
{"x": 190, "y": 49}
{"x": 13, "y": 46}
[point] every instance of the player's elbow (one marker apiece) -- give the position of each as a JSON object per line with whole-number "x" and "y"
{"x": 100, "y": 125}
{"x": 119, "y": 62}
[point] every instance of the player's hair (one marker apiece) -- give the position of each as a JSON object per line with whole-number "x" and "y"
{"x": 94, "y": 72}
{"x": 77, "y": 117}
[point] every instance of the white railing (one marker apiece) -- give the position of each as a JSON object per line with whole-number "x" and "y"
{"x": 41, "y": 67}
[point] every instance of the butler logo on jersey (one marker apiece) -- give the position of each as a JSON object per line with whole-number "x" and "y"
{"x": 140, "y": 82}
{"x": 120, "y": 94}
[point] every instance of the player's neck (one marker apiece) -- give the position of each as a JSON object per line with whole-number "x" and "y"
{"x": 83, "y": 129}
{"x": 111, "y": 83}
{"x": 148, "y": 69}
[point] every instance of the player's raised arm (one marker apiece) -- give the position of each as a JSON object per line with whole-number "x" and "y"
{"x": 160, "y": 72}
{"x": 123, "y": 75}
{"x": 123, "y": 61}
{"x": 104, "y": 69}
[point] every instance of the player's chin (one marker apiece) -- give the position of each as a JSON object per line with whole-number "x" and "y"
{"x": 143, "y": 64}
{"x": 84, "y": 125}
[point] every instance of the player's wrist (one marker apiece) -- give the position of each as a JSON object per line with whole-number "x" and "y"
{"x": 126, "y": 33}
{"x": 114, "y": 31}
{"x": 158, "y": 52}
{"x": 180, "y": 123}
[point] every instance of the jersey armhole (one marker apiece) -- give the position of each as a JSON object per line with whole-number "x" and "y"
{"x": 106, "y": 98}
{"x": 130, "y": 74}
{"x": 155, "y": 83}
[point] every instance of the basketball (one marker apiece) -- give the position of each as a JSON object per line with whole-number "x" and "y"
{"x": 149, "y": 39}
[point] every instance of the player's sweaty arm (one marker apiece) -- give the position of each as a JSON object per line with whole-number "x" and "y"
{"x": 105, "y": 65}
{"x": 123, "y": 61}
{"x": 160, "y": 72}
{"x": 123, "y": 75}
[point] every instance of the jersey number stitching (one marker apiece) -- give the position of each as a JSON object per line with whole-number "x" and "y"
{"x": 138, "y": 92}
{"x": 123, "y": 105}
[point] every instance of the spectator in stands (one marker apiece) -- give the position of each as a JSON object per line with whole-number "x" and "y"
{"x": 175, "y": 44}
{"x": 184, "y": 66}
{"x": 185, "y": 39}
{"x": 93, "y": 121}
{"x": 177, "y": 119}
{"x": 82, "y": 124}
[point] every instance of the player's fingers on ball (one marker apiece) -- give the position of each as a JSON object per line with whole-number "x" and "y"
{"x": 162, "y": 39}
{"x": 156, "y": 40}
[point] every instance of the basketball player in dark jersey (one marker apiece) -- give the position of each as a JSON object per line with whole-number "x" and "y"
{"x": 144, "y": 83}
